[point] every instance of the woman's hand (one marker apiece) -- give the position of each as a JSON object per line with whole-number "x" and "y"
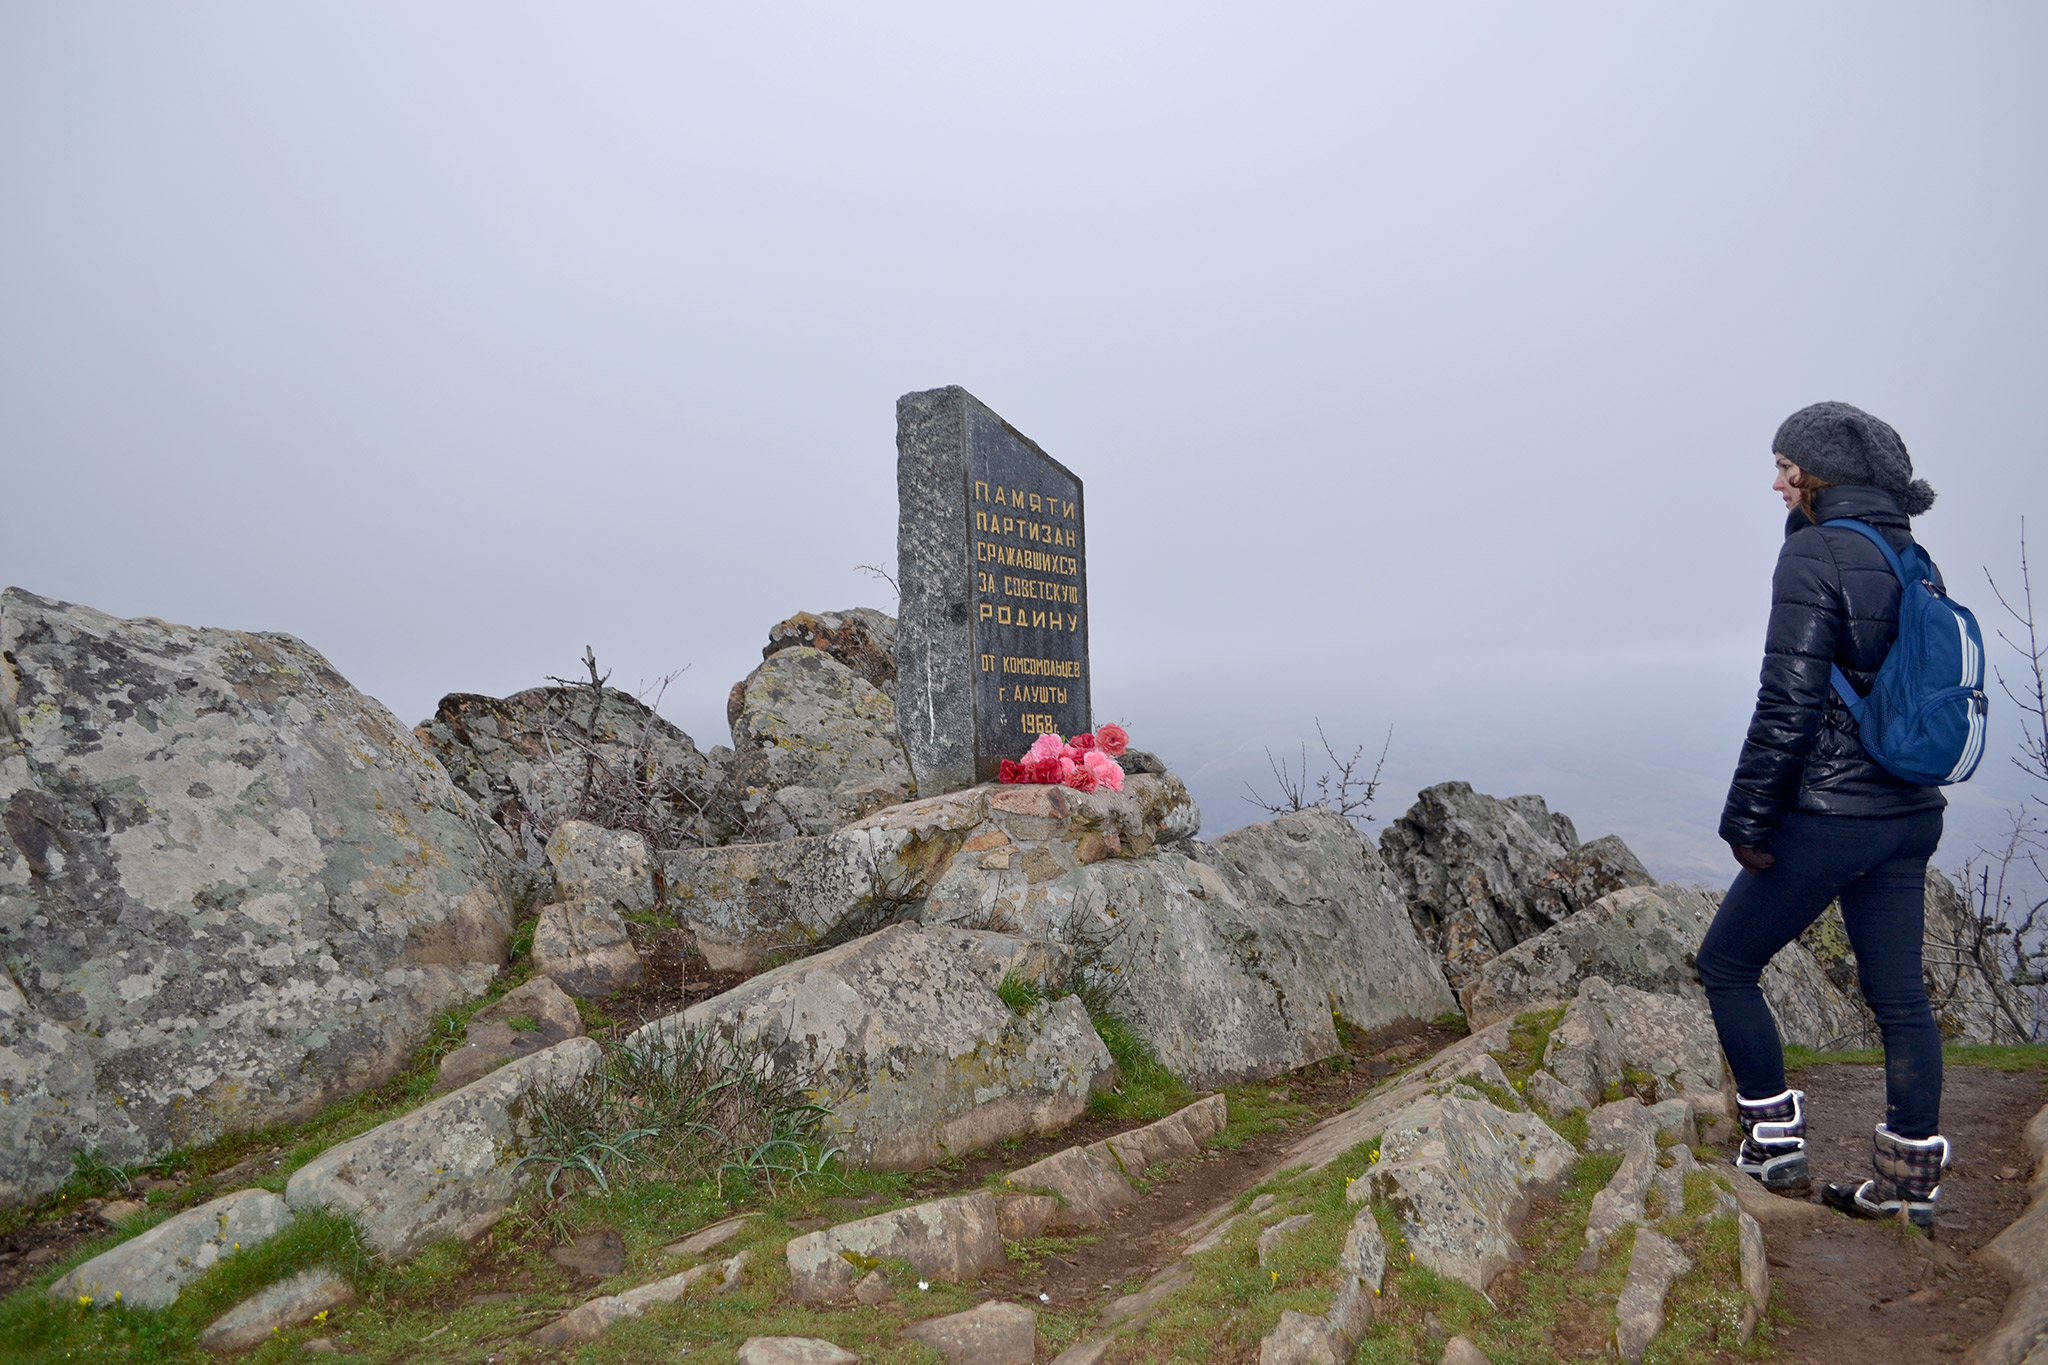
{"x": 1753, "y": 859}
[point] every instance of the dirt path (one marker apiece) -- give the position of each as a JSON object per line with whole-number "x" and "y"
{"x": 1109, "y": 1260}
{"x": 1863, "y": 1291}
{"x": 1856, "y": 1290}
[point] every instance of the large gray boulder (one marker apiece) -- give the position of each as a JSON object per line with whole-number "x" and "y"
{"x": 903, "y": 1036}
{"x": 977, "y": 858}
{"x": 1458, "y": 1174}
{"x": 1612, "y": 1033}
{"x": 1331, "y": 908}
{"x": 526, "y": 759}
{"x": 1481, "y": 874}
{"x": 814, "y": 746}
{"x": 233, "y": 889}
{"x": 1234, "y": 957}
{"x": 1647, "y": 937}
{"x": 450, "y": 1168}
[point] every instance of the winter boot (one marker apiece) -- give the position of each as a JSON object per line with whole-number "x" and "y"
{"x": 1774, "y": 1143}
{"x": 1908, "y": 1180}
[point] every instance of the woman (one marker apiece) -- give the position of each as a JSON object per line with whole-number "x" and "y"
{"x": 1811, "y": 818}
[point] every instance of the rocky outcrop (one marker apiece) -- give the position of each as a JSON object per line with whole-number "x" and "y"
{"x": 793, "y": 1351}
{"x": 449, "y": 1168}
{"x": 534, "y": 1016}
{"x": 750, "y": 903}
{"x": 1620, "y": 1036}
{"x": 1457, "y": 1174}
{"x": 946, "y": 1239}
{"x": 1237, "y": 955}
{"x": 860, "y": 637}
{"x": 1481, "y": 874}
{"x": 1328, "y": 907}
{"x": 1233, "y": 955}
{"x": 978, "y": 858}
{"x": 903, "y": 1035}
{"x": 1647, "y": 937}
{"x": 602, "y": 876}
{"x": 149, "y": 1271}
{"x": 524, "y": 759}
{"x": 233, "y": 889}
{"x": 814, "y": 746}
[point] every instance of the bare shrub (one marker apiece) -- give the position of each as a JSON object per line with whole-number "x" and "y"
{"x": 2007, "y": 883}
{"x": 678, "y": 1104}
{"x": 644, "y": 782}
{"x": 1341, "y": 787}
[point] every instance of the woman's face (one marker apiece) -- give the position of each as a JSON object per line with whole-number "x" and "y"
{"x": 1787, "y": 485}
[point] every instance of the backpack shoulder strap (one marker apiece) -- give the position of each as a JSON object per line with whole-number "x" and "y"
{"x": 1884, "y": 547}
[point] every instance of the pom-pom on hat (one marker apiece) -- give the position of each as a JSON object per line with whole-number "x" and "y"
{"x": 1842, "y": 444}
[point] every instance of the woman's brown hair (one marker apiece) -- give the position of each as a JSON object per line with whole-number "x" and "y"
{"x": 1809, "y": 488}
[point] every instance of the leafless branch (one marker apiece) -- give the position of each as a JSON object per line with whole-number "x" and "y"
{"x": 882, "y": 572}
{"x": 622, "y": 781}
{"x": 1340, "y": 787}
{"x": 2031, "y": 695}
{"x": 2007, "y": 884}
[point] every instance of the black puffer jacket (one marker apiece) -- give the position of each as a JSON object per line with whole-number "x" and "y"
{"x": 1833, "y": 601}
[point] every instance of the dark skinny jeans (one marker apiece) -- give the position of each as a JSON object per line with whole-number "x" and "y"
{"x": 1878, "y": 869}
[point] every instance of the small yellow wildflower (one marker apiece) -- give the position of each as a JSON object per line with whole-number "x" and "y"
{"x": 85, "y": 1300}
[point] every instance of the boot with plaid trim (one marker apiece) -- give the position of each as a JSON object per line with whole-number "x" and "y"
{"x": 1908, "y": 1180}
{"x": 1774, "y": 1143}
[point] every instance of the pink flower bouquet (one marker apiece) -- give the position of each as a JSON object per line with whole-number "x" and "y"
{"x": 1087, "y": 762}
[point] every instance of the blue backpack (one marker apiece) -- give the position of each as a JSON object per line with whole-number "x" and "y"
{"x": 1924, "y": 717}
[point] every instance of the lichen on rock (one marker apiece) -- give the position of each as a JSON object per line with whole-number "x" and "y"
{"x": 239, "y": 886}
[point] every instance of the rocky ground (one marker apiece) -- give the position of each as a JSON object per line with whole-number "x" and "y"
{"x": 537, "y": 1033}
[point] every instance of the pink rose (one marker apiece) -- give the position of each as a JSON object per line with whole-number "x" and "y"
{"x": 1106, "y": 770}
{"x": 1113, "y": 739}
{"x": 1082, "y": 779}
{"x": 1082, "y": 742}
{"x": 1045, "y": 746}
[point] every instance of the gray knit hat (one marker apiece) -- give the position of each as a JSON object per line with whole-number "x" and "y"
{"x": 1844, "y": 444}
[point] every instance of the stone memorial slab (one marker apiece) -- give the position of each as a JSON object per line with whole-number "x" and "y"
{"x": 991, "y": 555}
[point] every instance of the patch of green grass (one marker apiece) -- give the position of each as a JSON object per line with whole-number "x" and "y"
{"x": 1020, "y": 993}
{"x": 1029, "y": 1256}
{"x": 1233, "y": 1301}
{"x": 1528, "y": 1036}
{"x": 1254, "y": 1109}
{"x": 1499, "y": 1095}
{"x": 1450, "y": 1019}
{"x": 524, "y": 1023}
{"x": 521, "y": 946}
{"x": 1995, "y": 1057}
{"x": 33, "y": 1328}
{"x": 1146, "y": 1089}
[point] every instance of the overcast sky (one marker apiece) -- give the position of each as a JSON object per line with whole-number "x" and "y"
{"x": 1421, "y": 363}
